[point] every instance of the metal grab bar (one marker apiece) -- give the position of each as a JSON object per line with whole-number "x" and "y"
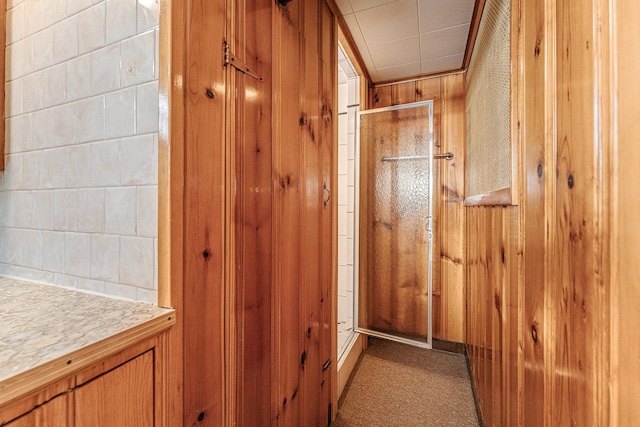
{"x": 446, "y": 156}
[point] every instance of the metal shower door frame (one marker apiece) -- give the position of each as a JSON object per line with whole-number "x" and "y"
{"x": 429, "y": 226}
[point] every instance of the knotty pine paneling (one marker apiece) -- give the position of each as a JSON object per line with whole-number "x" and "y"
{"x": 625, "y": 232}
{"x": 449, "y": 202}
{"x": 247, "y": 244}
{"x": 492, "y": 334}
{"x": 303, "y": 134}
{"x": 204, "y": 220}
{"x": 286, "y": 222}
{"x": 249, "y": 173}
{"x": 328, "y": 250}
{"x": 447, "y": 92}
{"x": 535, "y": 323}
{"x": 557, "y": 316}
{"x": 581, "y": 316}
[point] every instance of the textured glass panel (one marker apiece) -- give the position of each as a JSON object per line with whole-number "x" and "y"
{"x": 396, "y": 219}
{"x": 488, "y": 103}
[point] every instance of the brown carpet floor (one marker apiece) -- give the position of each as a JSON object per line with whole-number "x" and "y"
{"x": 396, "y": 384}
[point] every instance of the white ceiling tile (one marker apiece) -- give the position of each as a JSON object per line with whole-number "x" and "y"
{"x": 444, "y": 42}
{"x": 344, "y": 6}
{"x": 399, "y": 72}
{"x": 404, "y": 38}
{"x": 391, "y": 21}
{"x": 445, "y": 63}
{"x": 438, "y": 14}
{"x": 358, "y": 5}
{"x": 396, "y": 52}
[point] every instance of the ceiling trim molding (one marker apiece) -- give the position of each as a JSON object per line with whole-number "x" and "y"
{"x": 418, "y": 78}
{"x": 348, "y": 43}
{"x": 473, "y": 32}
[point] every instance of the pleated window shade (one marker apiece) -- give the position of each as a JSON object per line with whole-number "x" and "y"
{"x": 488, "y": 159}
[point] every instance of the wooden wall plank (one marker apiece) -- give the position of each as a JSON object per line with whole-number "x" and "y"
{"x": 204, "y": 249}
{"x": 492, "y": 262}
{"x": 303, "y": 249}
{"x": 559, "y": 294}
{"x": 286, "y": 221}
{"x": 625, "y": 281}
{"x": 450, "y": 138}
{"x": 171, "y": 176}
{"x": 533, "y": 202}
{"x": 311, "y": 233}
{"x": 403, "y": 93}
{"x": 248, "y": 250}
{"x": 329, "y": 250}
{"x": 578, "y": 185}
{"x": 381, "y": 97}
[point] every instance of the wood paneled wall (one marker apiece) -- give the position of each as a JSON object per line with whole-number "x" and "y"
{"x": 305, "y": 68}
{"x": 551, "y": 333}
{"x": 625, "y": 205}
{"x": 246, "y": 221}
{"x": 447, "y": 92}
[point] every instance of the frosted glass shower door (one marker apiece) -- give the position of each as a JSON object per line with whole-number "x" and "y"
{"x": 395, "y": 148}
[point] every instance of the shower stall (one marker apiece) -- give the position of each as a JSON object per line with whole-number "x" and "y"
{"x": 394, "y": 223}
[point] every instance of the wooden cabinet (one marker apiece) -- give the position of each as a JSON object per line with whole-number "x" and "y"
{"x": 56, "y": 412}
{"x": 122, "y": 390}
{"x": 122, "y": 397}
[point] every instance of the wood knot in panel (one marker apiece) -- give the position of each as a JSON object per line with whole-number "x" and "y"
{"x": 285, "y": 181}
{"x": 327, "y": 112}
{"x": 534, "y": 333}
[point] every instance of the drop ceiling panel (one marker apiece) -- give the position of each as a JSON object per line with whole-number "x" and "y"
{"x": 438, "y": 14}
{"x": 391, "y": 72}
{"x": 381, "y": 24}
{"x": 433, "y": 66}
{"x": 396, "y": 52}
{"x": 361, "y": 43}
{"x": 344, "y": 6}
{"x": 450, "y": 41}
{"x": 359, "y": 5}
{"x": 400, "y": 39}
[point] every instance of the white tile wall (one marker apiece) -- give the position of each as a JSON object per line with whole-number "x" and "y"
{"x": 347, "y": 98}
{"x": 78, "y": 198}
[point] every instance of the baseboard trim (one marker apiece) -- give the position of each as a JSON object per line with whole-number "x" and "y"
{"x": 348, "y": 362}
{"x": 473, "y": 388}
{"x": 448, "y": 346}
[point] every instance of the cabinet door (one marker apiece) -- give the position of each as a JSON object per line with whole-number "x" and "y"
{"x": 122, "y": 397}
{"x": 55, "y": 413}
